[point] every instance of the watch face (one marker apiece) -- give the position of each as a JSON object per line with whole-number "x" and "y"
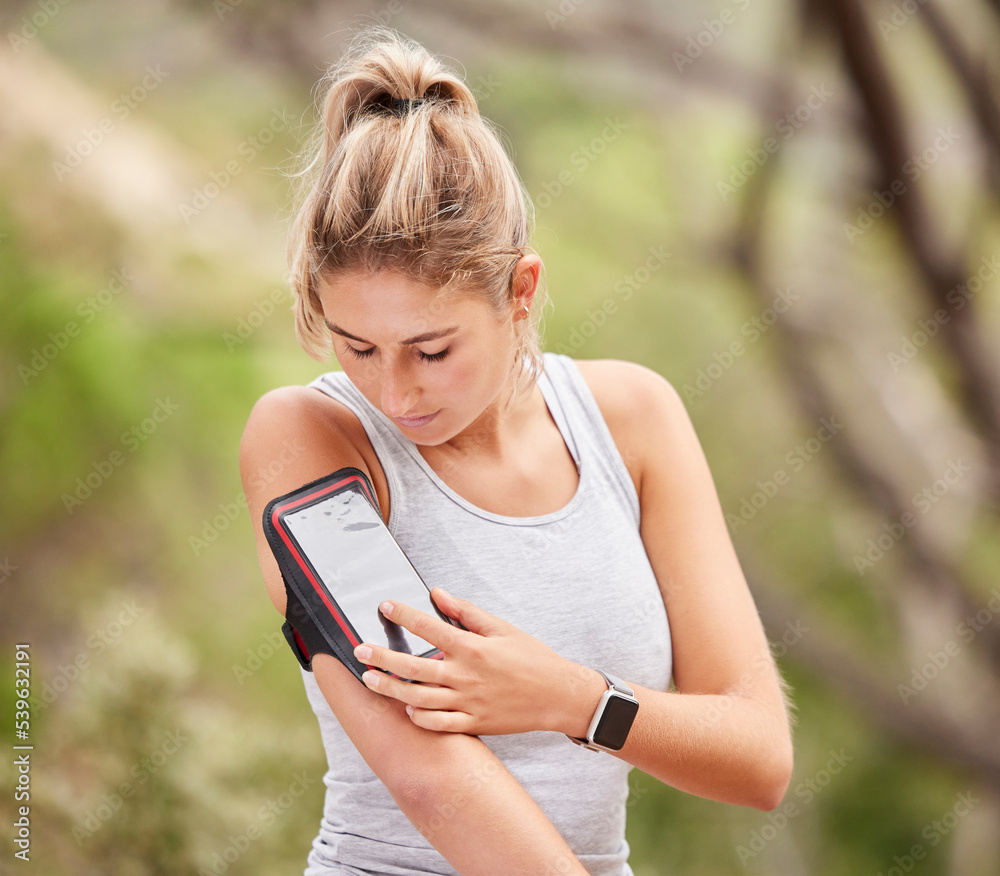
{"x": 612, "y": 730}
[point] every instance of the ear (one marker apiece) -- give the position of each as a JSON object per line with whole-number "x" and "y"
{"x": 524, "y": 283}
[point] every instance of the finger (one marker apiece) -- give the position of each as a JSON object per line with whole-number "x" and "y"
{"x": 420, "y": 696}
{"x": 423, "y": 669}
{"x": 431, "y": 629}
{"x": 442, "y": 721}
{"x": 470, "y": 616}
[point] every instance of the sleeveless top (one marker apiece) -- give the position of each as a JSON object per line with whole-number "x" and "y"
{"x": 578, "y": 579}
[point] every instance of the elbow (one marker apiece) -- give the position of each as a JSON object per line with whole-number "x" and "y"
{"x": 774, "y": 778}
{"x": 427, "y": 796}
{"x": 414, "y": 790}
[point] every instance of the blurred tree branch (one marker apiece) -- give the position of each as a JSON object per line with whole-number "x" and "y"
{"x": 632, "y": 34}
{"x": 924, "y": 560}
{"x": 942, "y": 271}
{"x": 974, "y": 78}
{"x": 968, "y": 742}
{"x": 972, "y": 749}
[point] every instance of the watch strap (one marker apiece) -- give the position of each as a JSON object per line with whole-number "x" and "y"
{"x": 616, "y": 684}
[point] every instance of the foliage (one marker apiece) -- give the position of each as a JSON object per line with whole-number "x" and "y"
{"x": 119, "y": 436}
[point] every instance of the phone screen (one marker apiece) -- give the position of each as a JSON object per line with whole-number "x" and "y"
{"x": 358, "y": 561}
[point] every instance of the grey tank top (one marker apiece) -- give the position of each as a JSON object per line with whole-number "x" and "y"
{"x": 578, "y": 579}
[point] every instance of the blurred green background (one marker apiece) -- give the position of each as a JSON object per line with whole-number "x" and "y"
{"x": 790, "y": 210}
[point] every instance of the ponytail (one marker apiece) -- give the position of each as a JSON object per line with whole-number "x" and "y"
{"x": 404, "y": 174}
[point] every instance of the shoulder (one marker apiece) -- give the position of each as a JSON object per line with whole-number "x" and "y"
{"x": 643, "y": 411}
{"x": 627, "y": 387}
{"x": 279, "y": 410}
{"x": 289, "y": 421}
{"x": 633, "y": 398}
{"x": 295, "y": 434}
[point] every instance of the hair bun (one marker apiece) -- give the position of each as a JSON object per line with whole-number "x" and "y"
{"x": 408, "y": 176}
{"x": 380, "y": 69}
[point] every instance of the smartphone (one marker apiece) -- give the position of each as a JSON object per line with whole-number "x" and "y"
{"x": 340, "y": 542}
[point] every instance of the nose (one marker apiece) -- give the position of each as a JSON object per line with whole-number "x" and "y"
{"x": 398, "y": 390}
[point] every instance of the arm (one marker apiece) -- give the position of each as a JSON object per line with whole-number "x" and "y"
{"x": 724, "y": 734}
{"x": 450, "y": 786}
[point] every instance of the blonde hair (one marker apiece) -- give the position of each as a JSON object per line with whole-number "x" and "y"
{"x": 406, "y": 175}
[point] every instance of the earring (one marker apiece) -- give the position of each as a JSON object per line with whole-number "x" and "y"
{"x": 526, "y": 311}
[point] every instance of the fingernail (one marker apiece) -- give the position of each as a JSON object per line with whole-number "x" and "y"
{"x": 362, "y": 652}
{"x": 371, "y": 679}
{"x": 409, "y": 711}
{"x": 386, "y": 608}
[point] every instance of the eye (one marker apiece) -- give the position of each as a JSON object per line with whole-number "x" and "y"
{"x": 433, "y": 357}
{"x": 360, "y": 354}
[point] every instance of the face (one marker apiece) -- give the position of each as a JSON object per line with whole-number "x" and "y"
{"x": 433, "y": 365}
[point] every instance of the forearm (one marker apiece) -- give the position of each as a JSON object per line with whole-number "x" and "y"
{"x": 473, "y": 811}
{"x": 732, "y": 747}
{"x": 726, "y": 747}
{"x": 450, "y": 786}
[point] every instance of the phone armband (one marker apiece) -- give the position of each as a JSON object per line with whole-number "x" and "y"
{"x": 314, "y": 624}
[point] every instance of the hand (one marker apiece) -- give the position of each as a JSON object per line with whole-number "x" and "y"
{"x": 493, "y": 679}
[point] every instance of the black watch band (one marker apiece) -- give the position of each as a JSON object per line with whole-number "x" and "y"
{"x": 609, "y": 728}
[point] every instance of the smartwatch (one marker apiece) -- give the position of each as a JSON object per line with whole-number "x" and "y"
{"x": 613, "y": 719}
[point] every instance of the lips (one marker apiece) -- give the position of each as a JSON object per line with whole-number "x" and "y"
{"x": 416, "y": 422}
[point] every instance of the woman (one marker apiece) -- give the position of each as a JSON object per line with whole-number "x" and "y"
{"x": 562, "y": 510}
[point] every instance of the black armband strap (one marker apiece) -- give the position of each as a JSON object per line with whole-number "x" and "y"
{"x": 313, "y": 624}
{"x": 304, "y": 637}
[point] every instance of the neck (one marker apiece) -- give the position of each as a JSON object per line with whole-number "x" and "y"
{"x": 493, "y": 432}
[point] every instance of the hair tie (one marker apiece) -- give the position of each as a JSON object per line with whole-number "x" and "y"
{"x": 402, "y": 105}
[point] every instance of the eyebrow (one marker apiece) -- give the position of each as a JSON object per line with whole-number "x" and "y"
{"x": 416, "y": 339}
